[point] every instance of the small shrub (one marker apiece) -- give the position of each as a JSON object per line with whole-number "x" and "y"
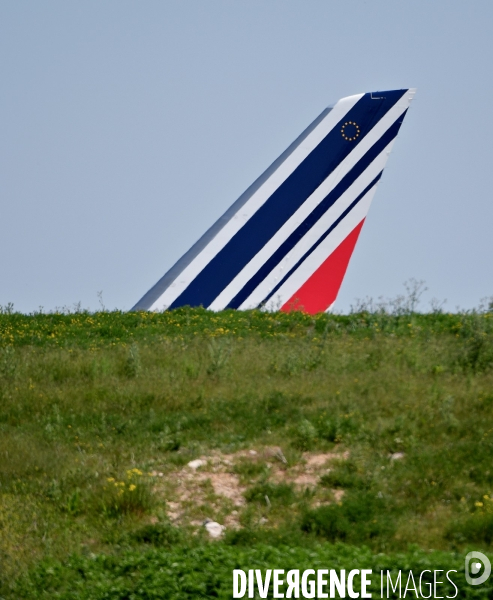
{"x": 477, "y": 353}
{"x": 360, "y": 518}
{"x": 169, "y": 444}
{"x": 168, "y": 440}
{"x": 304, "y": 435}
{"x": 328, "y": 430}
{"x": 345, "y": 475}
{"x": 337, "y": 427}
{"x": 476, "y": 527}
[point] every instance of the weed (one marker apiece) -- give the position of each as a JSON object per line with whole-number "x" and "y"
{"x": 361, "y": 517}
{"x": 475, "y": 528}
{"x": 130, "y": 494}
{"x": 477, "y": 352}
{"x": 8, "y": 363}
{"x": 159, "y": 535}
{"x": 248, "y": 469}
{"x": 295, "y": 362}
{"x": 73, "y": 504}
{"x": 132, "y": 365}
{"x": 271, "y": 494}
{"x": 345, "y": 475}
{"x": 337, "y": 428}
{"x": 304, "y": 435}
{"x": 219, "y": 354}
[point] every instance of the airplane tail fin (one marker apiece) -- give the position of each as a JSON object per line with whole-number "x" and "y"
{"x": 287, "y": 241}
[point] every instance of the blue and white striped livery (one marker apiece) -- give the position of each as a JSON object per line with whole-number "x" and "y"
{"x": 286, "y": 242}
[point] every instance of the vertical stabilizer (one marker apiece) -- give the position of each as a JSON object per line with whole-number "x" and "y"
{"x": 287, "y": 241}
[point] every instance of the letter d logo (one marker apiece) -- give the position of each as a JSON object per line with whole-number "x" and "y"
{"x": 475, "y": 568}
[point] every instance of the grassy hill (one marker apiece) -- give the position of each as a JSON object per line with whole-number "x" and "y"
{"x": 329, "y": 436}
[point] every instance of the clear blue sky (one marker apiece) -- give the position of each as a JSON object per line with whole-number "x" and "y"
{"x": 127, "y": 128}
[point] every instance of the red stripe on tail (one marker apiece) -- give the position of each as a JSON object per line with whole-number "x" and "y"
{"x": 321, "y": 289}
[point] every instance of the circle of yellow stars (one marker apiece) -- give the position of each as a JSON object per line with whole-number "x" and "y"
{"x": 355, "y": 136}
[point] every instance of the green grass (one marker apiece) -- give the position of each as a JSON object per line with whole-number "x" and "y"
{"x": 188, "y": 572}
{"x": 94, "y": 406}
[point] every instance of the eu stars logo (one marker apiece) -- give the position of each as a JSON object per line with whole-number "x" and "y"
{"x": 350, "y": 131}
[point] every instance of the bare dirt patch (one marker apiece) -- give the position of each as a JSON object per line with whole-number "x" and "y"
{"x": 305, "y": 480}
{"x": 210, "y": 482}
{"x": 226, "y": 485}
{"x": 317, "y": 461}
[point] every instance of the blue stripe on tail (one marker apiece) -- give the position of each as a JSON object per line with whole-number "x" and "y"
{"x": 315, "y": 215}
{"x": 284, "y": 202}
{"x": 321, "y": 239}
